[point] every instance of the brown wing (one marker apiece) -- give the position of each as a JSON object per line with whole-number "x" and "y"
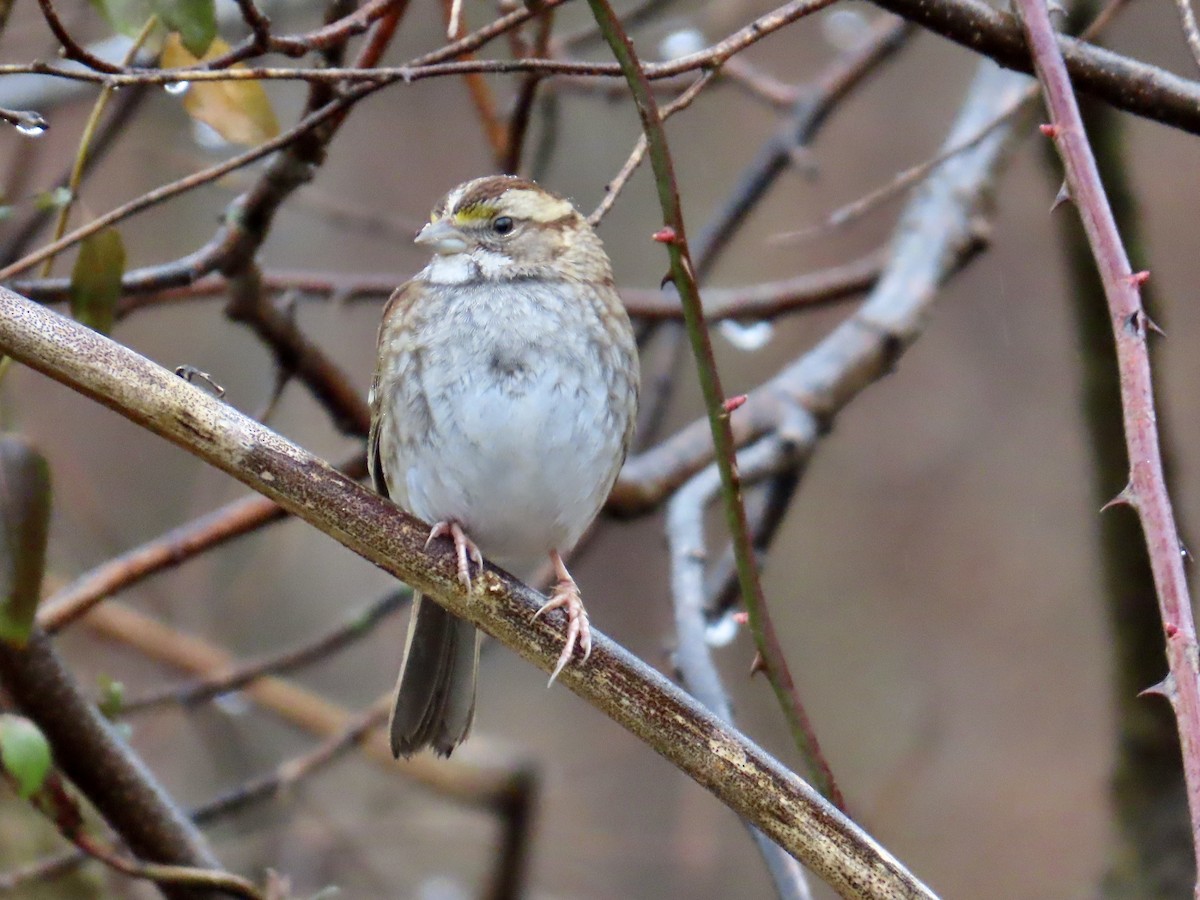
{"x": 393, "y": 312}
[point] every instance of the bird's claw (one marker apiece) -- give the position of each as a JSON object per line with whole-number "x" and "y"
{"x": 465, "y": 550}
{"x": 579, "y": 632}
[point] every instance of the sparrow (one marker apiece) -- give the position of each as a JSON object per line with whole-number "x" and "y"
{"x": 502, "y": 408}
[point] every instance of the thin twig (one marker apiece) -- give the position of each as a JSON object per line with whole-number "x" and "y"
{"x": 178, "y": 545}
{"x": 518, "y": 122}
{"x": 113, "y": 127}
{"x": 1127, "y": 84}
{"x": 79, "y": 166}
{"x": 482, "y": 97}
{"x": 291, "y": 771}
{"x": 846, "y": 73}
{"x": 257, "y": 22}
{"x": 851, "y": 212}
{"x": 196, "y": 179}
{"x": 357, "y": 626}
{"x": 71, "y": 48}
{"x": 613, "y": 189}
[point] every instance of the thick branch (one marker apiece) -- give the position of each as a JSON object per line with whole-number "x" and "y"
{"x": 89, "y": 751}
{"x": 722, "y": 760}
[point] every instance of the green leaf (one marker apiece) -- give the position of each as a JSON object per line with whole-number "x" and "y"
{"x": 195, "y": 20}
{"x": 24, "y": 527}
{"x": 239, "y": 111}
{"x": 96, "y": 279}
{"x": 125, "y": 16}
{"x": 25, "y": 753}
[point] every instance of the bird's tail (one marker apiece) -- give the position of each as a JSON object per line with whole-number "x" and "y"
{"x": 435, "y": 694}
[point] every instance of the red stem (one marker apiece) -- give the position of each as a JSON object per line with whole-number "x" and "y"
{"x": 1146, "y": 491}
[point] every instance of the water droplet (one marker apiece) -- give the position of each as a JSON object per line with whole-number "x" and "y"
{"x": 681, "y": 42}
{"x": 748, "y": 335}
{"x": 176, "y": 88}
{"x": 846, "y": 27}
{"x": 31, "y": 125}
{"x": 232, "y": 704}
{"x": 722, "y": 631}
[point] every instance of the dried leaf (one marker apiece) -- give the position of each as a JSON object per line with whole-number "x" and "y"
{"x": 24, "y": 528}
{"x": 194, "y": 20}
{"x": 25, "y": 753}
{"x": 96, "y": 279}
{"x": 238, "y": 110}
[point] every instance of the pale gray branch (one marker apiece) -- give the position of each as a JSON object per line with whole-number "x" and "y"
{"x": 718, "y": 757}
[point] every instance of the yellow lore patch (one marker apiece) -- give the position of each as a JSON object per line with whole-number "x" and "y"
{"x": 475, "y": 213}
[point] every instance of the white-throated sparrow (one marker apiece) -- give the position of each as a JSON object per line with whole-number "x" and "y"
{"x": 503, "y": 405}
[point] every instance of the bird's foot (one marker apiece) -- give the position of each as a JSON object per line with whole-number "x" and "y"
{"x": 465, "y": 550}
{"x": 566, "y": 596}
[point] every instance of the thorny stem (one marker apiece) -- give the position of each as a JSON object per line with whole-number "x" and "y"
{"x": 1146, "y": 491}
{"x": 683, "y": 276}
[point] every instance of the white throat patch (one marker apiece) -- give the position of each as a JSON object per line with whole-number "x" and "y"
{"x": 456, "y": 269}
{"x": 464, "y": 267}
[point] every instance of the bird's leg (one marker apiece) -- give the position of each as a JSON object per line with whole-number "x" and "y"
{"x": 464, "y": 549}
{"x": 566, "y": 595}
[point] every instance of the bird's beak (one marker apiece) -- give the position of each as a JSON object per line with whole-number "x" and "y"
{"x": 442, "y": 237}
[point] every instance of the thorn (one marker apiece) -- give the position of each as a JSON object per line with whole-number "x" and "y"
{"x": 1138, "y": 323}
{"x": 1063, "y": 196}
{"x": 1049, "y": 129}
{"x": 741, "y": 618}
{"x": 1125, "y": 498}
{"x": 758, "y": 664}
{"x": 665, "y": 235}
{"x": 1162, "y": 689}
{"x": 733, "y": 403}
{"x": 1184, "y": 553}
{"x": 191, "y": 374}
{"x": 1137, "y": 279}
{"x": 1171, "y": 629}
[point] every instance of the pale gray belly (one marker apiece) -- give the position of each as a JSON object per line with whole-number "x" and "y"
{"x": 521, "y": 456}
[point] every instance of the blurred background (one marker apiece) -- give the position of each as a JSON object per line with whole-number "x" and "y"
{"x": 936, "y": 583}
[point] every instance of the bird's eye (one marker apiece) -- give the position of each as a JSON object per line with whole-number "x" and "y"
{"x": 502, "y": 225}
